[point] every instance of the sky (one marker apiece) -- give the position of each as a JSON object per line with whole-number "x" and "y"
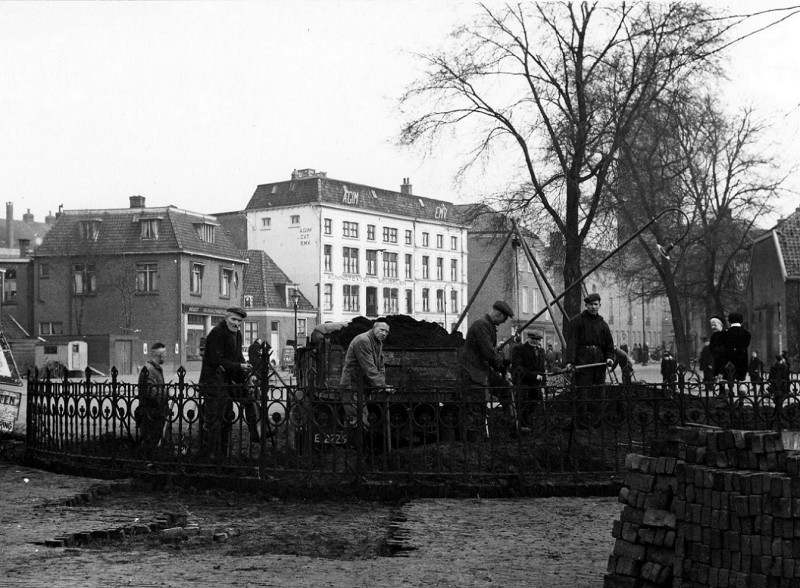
{"x": 193, "y": 104}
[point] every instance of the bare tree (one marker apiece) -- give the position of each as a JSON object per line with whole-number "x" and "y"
{"x": 556, "y": 89}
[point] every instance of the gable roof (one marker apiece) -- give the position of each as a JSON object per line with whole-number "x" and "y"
{"x": 326, "y": 190}
{"x": 120, "y": 232}
{"x": 22, "y": 230}
{"x": 788, "y": 233}
{"x": 266, "y": 283}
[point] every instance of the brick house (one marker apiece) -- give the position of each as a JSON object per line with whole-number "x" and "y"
{"x": 773, "y": 292}
{"x": 270, "y": 307}
{"x": 124, "y": 278}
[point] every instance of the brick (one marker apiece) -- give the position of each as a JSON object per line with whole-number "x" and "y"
{"x": 618, "y": 581}
{"x": 628, "y": 567}
{"x": 628, "y": 550}
{"x": 631, "y": 515}
{"x": 616, "y": 529}
{"x": 782, "y": 507}
{"x": 659, "y": 518}
{"x": 630, "y": 532}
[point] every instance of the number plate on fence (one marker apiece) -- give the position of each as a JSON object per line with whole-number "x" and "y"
{"x": 331, "y": 438}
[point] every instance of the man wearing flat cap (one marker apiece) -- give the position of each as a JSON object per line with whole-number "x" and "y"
{"x": 480, "y": 358}
{"x": 528, "y": 368}
{"x": 589, "y": 341}
{"x": 223, "y": 366}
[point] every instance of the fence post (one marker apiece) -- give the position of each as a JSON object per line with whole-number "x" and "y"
{"x": 681, "y": 388}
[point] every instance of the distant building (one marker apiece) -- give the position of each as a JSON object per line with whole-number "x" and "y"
{"x": 360, "y": 250}
{"x": 121, "y": 279}
{"x": 773, "y": 292}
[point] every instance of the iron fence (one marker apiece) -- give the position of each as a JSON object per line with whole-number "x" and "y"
{"x": 268, "y": 430}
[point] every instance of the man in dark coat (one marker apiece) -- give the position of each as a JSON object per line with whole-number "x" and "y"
{"x": 480, "y": 361}
{"x": 755, "y": 369}
{"x": 589, "y": 341}
{"x": 151, "y": 414}
{"x": 669, "y": 371}
{"x": 706, "y": 365}
{"x": 223, "y": 367}
{"x": 737, "y": 340}
{"x": 364, "y": 369}
{"x": 528, "y": 368}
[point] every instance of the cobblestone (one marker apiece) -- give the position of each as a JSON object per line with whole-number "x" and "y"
{"x": 547, "y": 542}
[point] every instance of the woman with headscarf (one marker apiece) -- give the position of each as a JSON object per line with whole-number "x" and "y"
{"x": 716, "y": 346}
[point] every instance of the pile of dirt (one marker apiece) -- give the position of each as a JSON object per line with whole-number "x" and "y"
{"x": 405, "y": 333}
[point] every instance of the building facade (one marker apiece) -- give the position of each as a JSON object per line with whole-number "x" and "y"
{"x": 125, "y": 278}
{"x": 362, "y": 251}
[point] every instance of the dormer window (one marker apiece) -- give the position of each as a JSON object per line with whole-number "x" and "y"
{"x": 205, "y": 232}
{"x": 248, "y": 301}
{"x": 89, "y": 229}
{"x": 150, "y": 227}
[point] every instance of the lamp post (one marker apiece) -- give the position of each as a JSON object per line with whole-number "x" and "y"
{"x": 295, "y": 301}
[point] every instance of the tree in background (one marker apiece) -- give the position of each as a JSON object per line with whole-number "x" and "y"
{"x": 556, "y": 90}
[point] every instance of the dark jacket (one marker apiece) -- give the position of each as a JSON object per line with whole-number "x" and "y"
{"x": 223, "y": 350}
{"x": 588, "y": 340}
{"x": 737, "y": 340}
{"x": 716, "y": 345}
{"x": 706, "y": 361}
{"x": 756, "y": 369}
{"x": 527, "y": 360}
{"x": 669, "y": 369}
{"x": 151, "y": 381}
{"x": 479, "y": 355}
{"x": 363, "y": 363}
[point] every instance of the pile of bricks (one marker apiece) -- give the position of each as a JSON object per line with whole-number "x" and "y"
{"x": 725, "y": 504}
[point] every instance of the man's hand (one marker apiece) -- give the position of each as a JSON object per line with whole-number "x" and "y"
{"x": 569, "y": 367}
{"x": 609, "y": 362}
{"x": 246, "y": 367}
{"x": 389, "y": 390}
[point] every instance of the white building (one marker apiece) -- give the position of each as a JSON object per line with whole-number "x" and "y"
{"x": 364, "y": 251}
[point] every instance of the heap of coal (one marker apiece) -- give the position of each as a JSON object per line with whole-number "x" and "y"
{"x": 405, "y": 333}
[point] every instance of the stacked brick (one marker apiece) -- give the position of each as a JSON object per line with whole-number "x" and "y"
{"x": 644, "y": 550}
{"x": 719, "y": 508}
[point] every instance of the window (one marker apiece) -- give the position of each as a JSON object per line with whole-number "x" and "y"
{"x": 408, "y": 266}
{"x": 327, "y": 257}
{"x": 327, "y": 297}
{"x": 266, "y": 222}
{"x": 328, "y": 224}
{"x": 453, "y": 270}
{"x": 89, "y": 229}
{"x": 248, "y": 301}
{"x": 370, "y": 232}
{"x": 51, "y": 349}
{"x": 372, "y": 301}
{"x": 10, "y": 286}
{"x": 225, "y": 281}
{"x": 453, "y": 301}
{"x": 44, "y": 271}
{"x": 426, "y": 303}
{"x": 351, "y": 302}
{"x": 295, "y": 219}
{"x": 390, "y": 265}
{"x": 350, "y": 230}
{"x": 146, "y": 277}
{"x": 196, "y": 279}
{"x": 205, "y": 232}
{"x": 439, "y": 300}
{"x": 439, "y": 241}
{"x": 534, "y": 299}
{"x": 49, "y": 328}
{"x": 409, "y": 302}
{"x": 350, "y": 260}
{"x": 390, "y": 302}
{"x": 425, "y": 239}
{"x": 250, "y": 333}
{"x": 525, "y": 307}
{"x": 372, "y": 262}
{"x": 150, "y": 228}
{"x": 275, "y": 326}
{"x": 439, "y": 268}
{"x": 454, "y": 243}
{"x": 84, "y": 279}
{"x": 425, "y": 267}
{"x": 301, "y": 327}
{"x": 389, "y": 235}
{"x": 408, "y": 237}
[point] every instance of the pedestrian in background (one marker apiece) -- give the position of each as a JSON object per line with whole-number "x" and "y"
{"x": 716, "y": 346}
{"x": 779, "y": 382}
{"x": 706, "y": 365}
{"x": 552, "y": 358}
{"x": 755, "y": 369}
{"x": 151, "y": 413}
{"x": 669, "y": 371}
{"x": 736, "y": 341}
{"x": 528, "y": 369}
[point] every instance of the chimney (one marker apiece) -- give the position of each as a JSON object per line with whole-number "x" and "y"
{"x": 405, "y": 187}
{"x": 50, "y": 218}
{"x": 24, "y": 245}
{"x": 27, "y": 218}
{"x": 9, "y": 224}
{"x": 137, "y": 201}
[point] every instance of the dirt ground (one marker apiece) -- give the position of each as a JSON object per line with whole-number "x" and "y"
{"x": 262, "y": 541}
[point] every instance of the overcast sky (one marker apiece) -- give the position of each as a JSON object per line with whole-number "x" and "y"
{"x": 194, "y": 104}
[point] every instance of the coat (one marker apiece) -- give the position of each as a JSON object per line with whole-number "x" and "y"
{"x": 222, "y": 357}
{"x": 588, "y": 340}
{"x": 151, "y": 381}
{"x": 737, "y": 340}
{"x": 527, "y": 360}
{"x": 479, "y": 354}
{"x": 716, "y": 345}
{"x": 363, "y": 363}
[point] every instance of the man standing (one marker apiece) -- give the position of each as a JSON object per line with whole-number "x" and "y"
{"x": 669, "y": 371}
{"x": 755, "y": 369}
{"x": 589, "y": 342}
{"x": 151, "y": 414}
{"x": 737, "y": 340}
{"x": 528, "y": 368}
{"x": 706, "y": 364}
{"x": 364, "y": 368}
{"x": 552, "y": 358}
{"x": 480, "y": 360}
{"x": 223, "y": 367}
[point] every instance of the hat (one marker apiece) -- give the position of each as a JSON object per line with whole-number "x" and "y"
{"x": 237, "y": 310}
{"x": 534, "y": 335}
{"x": 593, "y": 297}
{"x": 504, "y": 308}
{"x": 157, "y": 345}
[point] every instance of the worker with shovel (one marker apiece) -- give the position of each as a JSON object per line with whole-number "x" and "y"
{"x": 590, "y": 348}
